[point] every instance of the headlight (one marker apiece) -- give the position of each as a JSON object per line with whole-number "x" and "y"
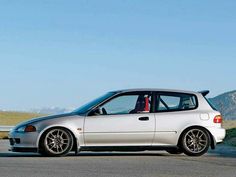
{"x": 21, "y": 129}
{"x": 26, "y": 128}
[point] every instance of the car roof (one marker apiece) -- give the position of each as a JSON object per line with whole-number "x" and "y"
{"x": 155, "y": 90}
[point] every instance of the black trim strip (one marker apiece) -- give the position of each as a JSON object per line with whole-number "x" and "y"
{"x": 18, "y": 149}
{"x": 126, "y": 148}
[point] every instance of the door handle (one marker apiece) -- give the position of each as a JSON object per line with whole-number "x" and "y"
{"x": 143, "y": 118}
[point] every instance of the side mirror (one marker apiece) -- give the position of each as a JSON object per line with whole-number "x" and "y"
{"x": 96, "y": 112}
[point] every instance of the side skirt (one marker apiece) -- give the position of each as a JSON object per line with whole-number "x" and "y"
{"x": 126, "y": 148}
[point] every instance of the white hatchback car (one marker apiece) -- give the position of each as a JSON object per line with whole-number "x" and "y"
{"x": 127, "y": 120}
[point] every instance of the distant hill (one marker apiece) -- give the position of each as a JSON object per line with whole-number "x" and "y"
{"x": 51, "y": 110}
{"x": 226, "y": 104}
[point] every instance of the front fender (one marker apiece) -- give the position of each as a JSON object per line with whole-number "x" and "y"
{"x": 75, "y": 133}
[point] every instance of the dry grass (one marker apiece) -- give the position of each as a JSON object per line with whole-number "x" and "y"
{"x": 3, "y": 135}
{"x": 229, "y": 124}
{"x": 13, "y": 118}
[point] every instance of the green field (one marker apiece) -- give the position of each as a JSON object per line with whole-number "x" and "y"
{"x": 230, "y": 138}
{"x": 13, "y": 118}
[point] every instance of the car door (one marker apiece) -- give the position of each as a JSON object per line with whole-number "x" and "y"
{"x": 173, "y": 112}
{"x": 123, "y": 121}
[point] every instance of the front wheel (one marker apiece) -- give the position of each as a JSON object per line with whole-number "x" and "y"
{"x": 195, "y": 142}
{"x": 56, "y": 142}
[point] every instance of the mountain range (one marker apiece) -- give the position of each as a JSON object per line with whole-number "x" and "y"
{"x": 50, "y": 110}
{"x": 226, "y": 104}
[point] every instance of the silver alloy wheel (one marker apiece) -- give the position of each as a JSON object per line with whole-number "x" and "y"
{"x": 57, "y": 141}
{"x": 196, "y": 140}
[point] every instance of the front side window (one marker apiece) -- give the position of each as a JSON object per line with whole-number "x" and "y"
{"x": 126, "y": 104}
{"x": 175, "y": 102}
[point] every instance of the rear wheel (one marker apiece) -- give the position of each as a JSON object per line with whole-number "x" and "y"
{"x": 195, "y": 142}
{"x": 56, "y": 142}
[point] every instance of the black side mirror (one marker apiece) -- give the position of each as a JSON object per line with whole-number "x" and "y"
{"x": 95, "y": 112}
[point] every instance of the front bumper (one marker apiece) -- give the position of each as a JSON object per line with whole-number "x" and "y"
{"x": 23, "y": 142}
{"x": 20, "y": 149}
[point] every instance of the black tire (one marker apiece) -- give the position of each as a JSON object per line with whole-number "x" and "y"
{"x": 195, "y": 141}
{"x": 56, "y": 142}
{"x": 174, "y": 151}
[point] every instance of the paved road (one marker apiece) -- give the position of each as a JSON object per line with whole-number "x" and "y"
{"x": 221, "y": 163}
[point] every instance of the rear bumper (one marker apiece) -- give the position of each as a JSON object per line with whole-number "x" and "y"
{"x": 218, "y": 134}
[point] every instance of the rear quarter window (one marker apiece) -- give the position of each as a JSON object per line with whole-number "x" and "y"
{"x": 175, "y": 102}
{"x": 211, "y": 104}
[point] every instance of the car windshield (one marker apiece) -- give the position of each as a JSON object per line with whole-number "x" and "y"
{"x": 85, "y": 108}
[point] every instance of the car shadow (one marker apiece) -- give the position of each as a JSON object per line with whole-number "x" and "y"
{"x": 12, "y": 154}
{"x": 86, "y": 154}
{"x": 220, "y": 151}
{"x": 224, "y": 151}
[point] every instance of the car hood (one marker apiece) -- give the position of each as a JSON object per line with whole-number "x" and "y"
{"x": 35, "y": 120}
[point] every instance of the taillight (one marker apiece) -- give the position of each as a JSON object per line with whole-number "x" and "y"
{"x": 218, "y": 119}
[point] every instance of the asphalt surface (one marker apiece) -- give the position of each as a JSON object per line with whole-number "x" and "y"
{"x": 218, "y": 163}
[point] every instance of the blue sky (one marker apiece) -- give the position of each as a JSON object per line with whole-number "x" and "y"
{"x": 64, "y": 53}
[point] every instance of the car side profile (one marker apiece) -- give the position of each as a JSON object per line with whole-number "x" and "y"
{"x": 127, "y": 120}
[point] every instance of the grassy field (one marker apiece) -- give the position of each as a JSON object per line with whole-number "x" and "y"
{"x": 13, "y": 118}
{"x": 229, "y": 124}
{"x": 230, "y": 138}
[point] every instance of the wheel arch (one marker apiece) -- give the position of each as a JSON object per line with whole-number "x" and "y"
{"x": 75, "y": 142}
{"x": 212, "y": 140}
